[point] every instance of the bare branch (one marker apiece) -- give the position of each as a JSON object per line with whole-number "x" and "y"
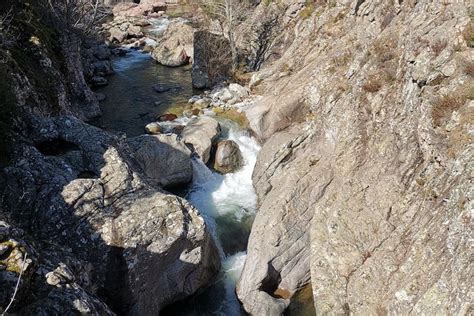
{"x": 17, "y": 285}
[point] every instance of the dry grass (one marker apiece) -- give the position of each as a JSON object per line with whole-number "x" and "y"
{"x": 438, "y": 47}
{"x": 468, "y": 32}
{"x": 468, "y": 68}
{"x": 308, "y": 9}
{"x": 444, "y": 107}
{"x": 385, "y": 48}
{"x": 372, "y": 84}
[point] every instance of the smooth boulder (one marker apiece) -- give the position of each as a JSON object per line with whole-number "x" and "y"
{"x": 201, "y": 133}
{"x": 163, "y": 158}
{"x": 228, "y": 157}
{"x": 153, "y": 128}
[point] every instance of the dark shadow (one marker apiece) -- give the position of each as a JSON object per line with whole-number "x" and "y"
{"x": 56, "y": 147}
{"x": 271, "y": 281}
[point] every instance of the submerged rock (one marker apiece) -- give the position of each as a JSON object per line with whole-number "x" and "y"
{"x": 161, "y": 88}
{"x": 99, "y": 81}
{"x": 163, "y": 158}
{"x": 167, "y": 117}
{"x": 228, "y": 157}
{"x": 201, "y": 133}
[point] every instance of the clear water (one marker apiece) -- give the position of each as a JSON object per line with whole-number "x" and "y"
{"x": 131, "y": 102}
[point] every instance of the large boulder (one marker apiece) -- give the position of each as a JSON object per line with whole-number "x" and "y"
{"x": 59, "y": 280}
{"x": 176, "y": 45}
{"x": 212, "y": 59}
{"x": 163, "y": 158}
{"x": 201, "y": 133}
{"x": 80, "y": 188}
{"x": 228, "y": 157}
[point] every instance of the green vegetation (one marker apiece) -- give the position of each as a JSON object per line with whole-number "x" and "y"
{"x": 232, "y": 115}
{"x": 308, "y": 9}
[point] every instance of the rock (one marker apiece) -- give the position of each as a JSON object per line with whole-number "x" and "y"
{"x": 150, "y": 45}
{"x": 160, "y": 88}
{"x": 175, "y": 47}
{"x": 163, "y": 158}
{"x": 103, "y": 68}
{"x": 142, "y": 248}
{"x": 99, "y": 81}
{"x": 178, "y": 129}
{"x": 223, "y": 94}
{"x": 202, "y": 103}
{"x": 62, "y": 298}
{"x": 100, "y": 97}
{"x": 211, "y": 56}
{"x": 167, "y": 117}
{"x": 3, "y": 248}
{"x": 228, "y": 157}
{"x": 349, "y": 202}
{"x": 153, "y": 128}
{"x": 117, "y": 35}
{"x": 201, "y": 133}
{"x": 135, "y": 31}
{"x": 123, "y": 7}
{"x": 101, "y": 52}
{"x": 194, "y": 98}
{"x": 238, "y": 92}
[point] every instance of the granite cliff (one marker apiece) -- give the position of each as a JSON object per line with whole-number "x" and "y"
{"x": 365, "y": 178}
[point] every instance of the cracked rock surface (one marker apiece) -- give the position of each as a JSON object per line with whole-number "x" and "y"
{"x": 80, "y": 188}
{"x": 365, "y": 180}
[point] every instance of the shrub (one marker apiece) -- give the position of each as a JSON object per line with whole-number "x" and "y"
{"x": 385, "y": 48}
{"x": 372, "y": 84}
{"x": 444, "y": 107}
{"x": 307, "y": 10}
{"x": 469, "y": 68}
{"x": 438, "y": 46}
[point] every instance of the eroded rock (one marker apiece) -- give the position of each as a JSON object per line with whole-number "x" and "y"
{"x": 201, "y": 133}
{"x": 176, "y": 45}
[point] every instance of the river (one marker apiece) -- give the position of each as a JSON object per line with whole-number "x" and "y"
{"x": 227, "y": 202}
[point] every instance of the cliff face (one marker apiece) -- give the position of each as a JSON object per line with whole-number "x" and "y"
{"x": 365, "y": 179}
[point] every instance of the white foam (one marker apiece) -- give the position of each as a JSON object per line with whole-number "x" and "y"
{"x": 215, "y": 195}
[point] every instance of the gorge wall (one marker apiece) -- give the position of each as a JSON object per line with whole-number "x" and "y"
{"x": 365, "y": 178}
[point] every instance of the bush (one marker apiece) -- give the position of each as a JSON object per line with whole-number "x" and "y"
{"x": 308, "y": 9}
{"x": 444, "y": 107}
{"x": 438, "y": 46}
{"x": 372, "y": 84}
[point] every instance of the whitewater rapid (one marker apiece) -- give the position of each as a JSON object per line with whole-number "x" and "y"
{"x": 216, "y": 195}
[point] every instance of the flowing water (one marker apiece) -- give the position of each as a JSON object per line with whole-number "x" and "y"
{"x": 131, "y": 101}
{"x": 227, "y": 202}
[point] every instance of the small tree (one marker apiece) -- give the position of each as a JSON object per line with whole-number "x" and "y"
{"x": 228, "y": 13}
